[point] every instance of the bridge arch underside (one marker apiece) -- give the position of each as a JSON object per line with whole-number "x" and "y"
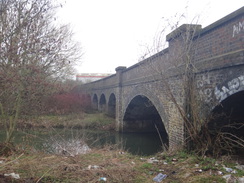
{"x": 111, "y": 111}
{"x": 102, "y": 103}
{"x": 227, "y": 120}
{"x": 142, "y": 116}
{"x": 95, "y": 102}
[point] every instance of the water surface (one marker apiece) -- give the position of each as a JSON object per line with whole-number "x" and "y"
{"x": 56, "y": 139}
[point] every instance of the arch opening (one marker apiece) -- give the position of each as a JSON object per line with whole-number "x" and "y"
{"x": 102, "y": 103}
{"x": 95, "y": 102}
{"x": 142, "y": 116}
{"x": 111, "y": 106}
{"x": 227, "y": 122}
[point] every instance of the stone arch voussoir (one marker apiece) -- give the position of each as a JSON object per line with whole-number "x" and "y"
{"x": 153, "y": 98}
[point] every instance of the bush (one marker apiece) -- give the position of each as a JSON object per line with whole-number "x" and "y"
{"x": 67, "y": 103}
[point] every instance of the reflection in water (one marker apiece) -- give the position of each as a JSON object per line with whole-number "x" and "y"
{"x": 135, "y": 143}
{"x": 77, "y": 141}
{"x": 143, "y": 144}
{"x": 70, "y": 147}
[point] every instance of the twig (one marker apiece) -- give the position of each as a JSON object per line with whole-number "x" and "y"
{"x": 163, "y": 145}
{"x": 12, "y": 160}
{"x": 44, "y": 174}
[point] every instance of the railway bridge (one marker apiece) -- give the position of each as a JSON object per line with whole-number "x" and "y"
{"x": 201, "y": 70}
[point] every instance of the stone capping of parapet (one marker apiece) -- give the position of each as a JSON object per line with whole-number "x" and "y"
{"x": 222, "y": 21}
{"x": 120, "y": 68}
{"x": 182, "y": 29}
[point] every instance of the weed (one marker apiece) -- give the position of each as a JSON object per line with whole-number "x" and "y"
{"x": 229, "y": 164}
{"x": 175, "y": 181}
{"x": 182, "y": 155}
{"x": 208, "y": 163}
{"x": 140, "y": 179}
{"x": 239, "y": 173}
{"x": 194, "y": 160}
{"x": 208, "y": 167}
{"x": 210, "y": 179}
{"x": 96, "y": 155}
{"x": 54, "y": 179}
{"x": 146, "y": 166}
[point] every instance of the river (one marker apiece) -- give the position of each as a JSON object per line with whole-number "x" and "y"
{"x": 79, "y": 140}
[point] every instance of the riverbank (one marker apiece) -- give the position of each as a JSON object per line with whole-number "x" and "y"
{"x": 111, "y": 163}
{"x": 114, "y": 165}
{"x": 75, "y": 121}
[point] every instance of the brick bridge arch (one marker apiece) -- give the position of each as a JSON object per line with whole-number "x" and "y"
{"x": 154, "y": 99}
{"x": 104, "y": 101}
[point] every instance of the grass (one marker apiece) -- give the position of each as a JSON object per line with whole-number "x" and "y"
{"x": 81, "y": 120}
{"x": 112, "y": 164}
{"x": 146, "y": 166}
{"x": 98, "y": 120}
{"x": 210, "y": 179}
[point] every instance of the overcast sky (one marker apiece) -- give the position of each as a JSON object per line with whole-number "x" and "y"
{"x": 116, "y": 33}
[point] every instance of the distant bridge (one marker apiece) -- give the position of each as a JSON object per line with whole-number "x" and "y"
{"x": 145, "y": 96}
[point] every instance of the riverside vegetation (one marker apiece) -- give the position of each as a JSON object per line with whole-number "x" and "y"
{"x": 110, "y": 163}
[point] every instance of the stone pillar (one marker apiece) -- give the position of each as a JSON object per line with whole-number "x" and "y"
{"x": 119, "y": 118}
{"x": 119, "y": 72}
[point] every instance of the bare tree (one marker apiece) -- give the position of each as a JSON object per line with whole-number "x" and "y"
{"x": 177, "y": 65}
{"x": 35, "y": 53}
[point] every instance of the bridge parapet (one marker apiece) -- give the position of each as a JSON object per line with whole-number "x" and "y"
{"x": 107, "y": 82}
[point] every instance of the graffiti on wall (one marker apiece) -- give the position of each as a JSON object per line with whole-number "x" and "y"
{"x": 237, "y": 28}
{"x": 232, "y": 87}
{"x": 204, "y": 87}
